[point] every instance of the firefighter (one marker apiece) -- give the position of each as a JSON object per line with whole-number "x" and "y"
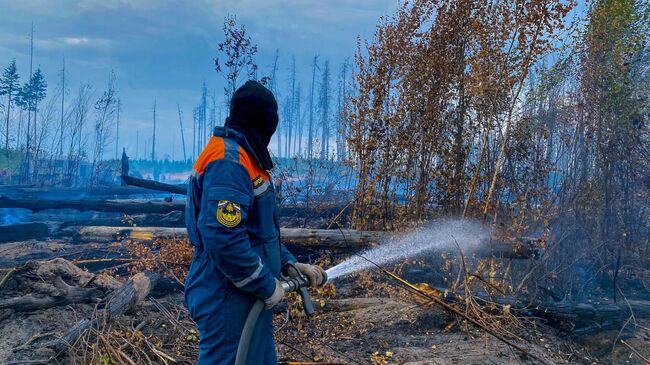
{"x": 232, "y": 221}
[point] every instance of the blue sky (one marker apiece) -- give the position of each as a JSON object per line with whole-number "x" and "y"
{"x": 162, "y": 49}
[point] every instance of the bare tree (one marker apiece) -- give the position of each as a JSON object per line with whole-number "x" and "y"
{"x": 290, "y": 110}
{"x": 325, "y": 111}
{"x": 310, "y": 133}
{"x": 342, "y": 103}
{"x": 239, "y": 53}
{"x": 105, "y": 110}
{"x": 153, "y": 137}
{"x": 299, "y": 119}
{"x": 273, "y": 86}
{"x": 180, "y": 121}
{"x": 76, "y": 142}
{"x": 62, "y": 92}
{"x": 117, "y": 127}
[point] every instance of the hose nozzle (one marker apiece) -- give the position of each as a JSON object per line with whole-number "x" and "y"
{"x": 298, "y": 283}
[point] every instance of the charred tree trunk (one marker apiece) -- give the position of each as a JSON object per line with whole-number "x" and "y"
{"x": 154, "y": 185}
{"x": 127, "y": 207}
{"x": 171, "y": 219}
{"x": 40, "y": 285}
{"x": 300, "y": 236}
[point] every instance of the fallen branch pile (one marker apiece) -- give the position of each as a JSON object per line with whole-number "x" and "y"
{"x": 40, "y": 285}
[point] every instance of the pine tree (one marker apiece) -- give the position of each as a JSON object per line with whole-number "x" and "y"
{"x": 9, "y": 86}
{"x": 32, "y": 94}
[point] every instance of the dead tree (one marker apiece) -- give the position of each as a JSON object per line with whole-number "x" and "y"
{"x": 40, "y": 285}
{"x": 154, "y": 185}
{"x": 128, "y": 207}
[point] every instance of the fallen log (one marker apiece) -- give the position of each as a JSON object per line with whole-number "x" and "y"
{"x": 350, "y": 304}
{"x": 575, "y": 318}
{"x": 14, "y": 254}
{"x": 171, "y": 219}
{"x": 62, "y": 193}
{"x": 330, "y": 238}
{"x": 103, "y": 234}
{"x": 65, "y": 295}
{"x": 40, "y": 285}
{"x": 124, "y": 298}
{"x": 128, "y": 207}
{"x": 154, "y": 185}
{"x": 23, "y": 231}
{"x": 302, "y": 237}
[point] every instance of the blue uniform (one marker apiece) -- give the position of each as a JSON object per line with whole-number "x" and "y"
{"x": 231, "y": 219}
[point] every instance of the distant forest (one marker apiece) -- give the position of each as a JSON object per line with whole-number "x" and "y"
{"x": 49, "y": 133}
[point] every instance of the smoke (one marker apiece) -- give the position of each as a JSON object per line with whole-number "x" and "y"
{"x": 437, "y": 235}
{"x": 10, "y": 216}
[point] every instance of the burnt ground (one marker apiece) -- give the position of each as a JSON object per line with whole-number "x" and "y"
{"x": 363, "y": 320}
{"x": 393, "y": 329}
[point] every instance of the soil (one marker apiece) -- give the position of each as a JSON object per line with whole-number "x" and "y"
{"x": 394, "y": 332}
{"x": 395, "y": 329}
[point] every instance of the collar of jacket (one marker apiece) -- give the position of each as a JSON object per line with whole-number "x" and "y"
{"x": 239, "y": 137}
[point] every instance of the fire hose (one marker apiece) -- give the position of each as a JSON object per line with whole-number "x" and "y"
{"x": 293, "y": 282}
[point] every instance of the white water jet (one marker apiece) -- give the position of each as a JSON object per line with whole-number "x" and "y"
{"x": 437, "y": 235}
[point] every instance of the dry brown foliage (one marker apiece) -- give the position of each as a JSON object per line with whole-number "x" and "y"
{"x": 170, "y": 256}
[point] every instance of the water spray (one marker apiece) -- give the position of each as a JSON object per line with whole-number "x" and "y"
{"x": 342, "y": 269}
{"x": 439, "y": 235}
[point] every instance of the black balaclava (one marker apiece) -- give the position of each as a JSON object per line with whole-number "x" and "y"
{"x": 254, "y": 112}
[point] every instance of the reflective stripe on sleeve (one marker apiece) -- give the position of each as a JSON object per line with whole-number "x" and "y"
{"x": 262, "y": 188}
{"x": 252, "y": 277}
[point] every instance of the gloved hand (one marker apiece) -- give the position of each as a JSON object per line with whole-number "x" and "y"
{"x": 276, "y": 297}
{"x": 313, "y": 273}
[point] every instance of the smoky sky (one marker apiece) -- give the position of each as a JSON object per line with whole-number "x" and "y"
{"x": 163, "y": 50}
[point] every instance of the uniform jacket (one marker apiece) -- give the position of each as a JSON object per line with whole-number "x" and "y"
{"x": 231, "y": 215}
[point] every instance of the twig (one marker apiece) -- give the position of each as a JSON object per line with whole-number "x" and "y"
{"x": 480, "y": 278}
{"x": 631, "y": 318}
{"x": 618, "y": 335}
{"x": 339, "y": 352}
{"x": 161, "y": 354}
{"x": 336, "y": 217}
{"x": 296, "y": 350}
{"x": 635, "y": 351}
{"x": 32, "y": 339}
{"x": 6, "y": 277}
{"x": 453, "y": 310}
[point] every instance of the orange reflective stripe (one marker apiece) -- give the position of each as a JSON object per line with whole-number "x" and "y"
{"x": 214, "y": 150}
{"x": 251, "y": 166}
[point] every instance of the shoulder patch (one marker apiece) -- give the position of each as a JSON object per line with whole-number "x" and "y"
{"x": 228, "y": 213}
{"x": 258, "y": 181}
